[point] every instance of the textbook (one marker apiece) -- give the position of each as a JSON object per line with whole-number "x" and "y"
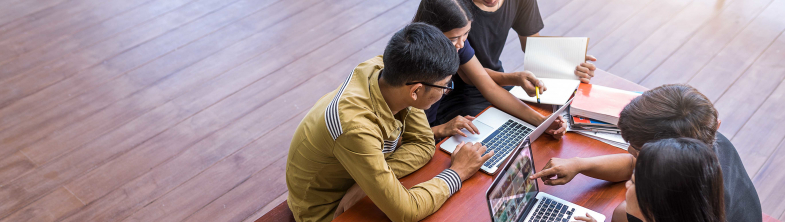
{"x": 553, "y": 61}
{"x": 610, "y": 138}
{"x": 600, "y": 102}
{"x": 583, "y": 121}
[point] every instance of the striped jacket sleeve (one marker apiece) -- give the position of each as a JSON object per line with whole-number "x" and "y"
{"x": 358, "y": 151}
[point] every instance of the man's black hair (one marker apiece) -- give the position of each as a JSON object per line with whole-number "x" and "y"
{"x": 419, "y": 53}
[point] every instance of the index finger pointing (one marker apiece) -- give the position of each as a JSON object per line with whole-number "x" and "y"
{"x": 543, "y": 173}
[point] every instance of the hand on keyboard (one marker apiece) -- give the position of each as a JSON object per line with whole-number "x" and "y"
{"x": 467, "y": 159}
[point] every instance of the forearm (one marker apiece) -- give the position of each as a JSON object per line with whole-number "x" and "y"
{"x": 357, "y": 151}
{"x": 438, "y": 131}
{"x": 416, "y": 145}
{"x": 410, "y": 157}
{"x": 614, "y": 167}
{"x": 506, "y": 102}
{"x": 502, "y": 79}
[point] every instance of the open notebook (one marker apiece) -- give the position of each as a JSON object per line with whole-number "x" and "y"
{"x": 553, "y": 61}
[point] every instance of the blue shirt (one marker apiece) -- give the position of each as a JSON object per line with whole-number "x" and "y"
{"x": 465, "y": 54}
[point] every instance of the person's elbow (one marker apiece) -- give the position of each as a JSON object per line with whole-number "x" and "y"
{"x": 406, "y": 214}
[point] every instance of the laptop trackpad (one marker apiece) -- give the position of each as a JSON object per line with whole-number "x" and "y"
{"x": 484, "y": 129}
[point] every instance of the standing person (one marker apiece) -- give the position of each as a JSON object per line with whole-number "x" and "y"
{"x": 675, "y": 180}
{"x": 668, "y": 111}
{"x": 492, "y": 22}
{"x": 454, "y": 19}
{"x": 371, "y": 131}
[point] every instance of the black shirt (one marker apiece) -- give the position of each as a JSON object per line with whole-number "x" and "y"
{"x": 488, "y": 35}
{"x": 490, "y": 29}
{"x": 464, "y": 54}
{"x": 741, "y": 199}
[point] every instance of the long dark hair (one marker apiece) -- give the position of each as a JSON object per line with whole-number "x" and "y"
{"x": 679, "y": 180}
{"x": 446, "y": 15}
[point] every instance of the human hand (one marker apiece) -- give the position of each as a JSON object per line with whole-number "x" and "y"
{"x": 455, "y": 125}
{"x": 528, "y": 81}
{"x": 563, "y": 169}
{"x": 557, "y": 128}
{"x": 352, "y": 196}
{"x": 468, "y": 158}
{"x": 585, "y": 71}
{"x": 587, "y": 218}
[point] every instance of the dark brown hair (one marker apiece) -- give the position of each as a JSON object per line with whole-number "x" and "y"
{"x": 445, "y": 15}
{"x": 679, "y": 180}
{"x": 669, "y": 111}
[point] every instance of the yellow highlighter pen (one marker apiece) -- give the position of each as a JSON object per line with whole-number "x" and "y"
{"x": 537, "y": 93}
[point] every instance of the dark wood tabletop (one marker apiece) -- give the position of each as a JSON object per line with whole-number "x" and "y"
{"x": 468, "y": 204}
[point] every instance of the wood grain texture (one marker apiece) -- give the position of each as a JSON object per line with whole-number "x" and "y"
{"x": 768, "y": 180}
{"x": 704, "y": 45}
{"x": 69, "y": 43}
{"x": 60, "y": 22}
{"x": 735, "y": 58}
{"x": 753, "y": 90}
{"x": 104, "y": 119}
{"x": 50, "y": 208}
{"x": 650, "y": 53}
{"x": 636, "y": 29}
{"x": 130, "y": 105}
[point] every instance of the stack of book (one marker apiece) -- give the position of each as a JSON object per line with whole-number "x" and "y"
{"x": 595, "y": 110}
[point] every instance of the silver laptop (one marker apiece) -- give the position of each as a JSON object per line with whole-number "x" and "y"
{"x": 500, "y": 132}
{"x": 515, "y": 197}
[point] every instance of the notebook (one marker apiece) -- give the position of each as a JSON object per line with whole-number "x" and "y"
{"x": 600, "y": 102}
{"x": 553, "y": 61}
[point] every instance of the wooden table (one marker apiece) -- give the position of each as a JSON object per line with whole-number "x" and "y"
{"x": 469, "y": 204}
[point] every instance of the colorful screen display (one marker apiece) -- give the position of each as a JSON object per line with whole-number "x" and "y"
{"x": 509, "y": 198}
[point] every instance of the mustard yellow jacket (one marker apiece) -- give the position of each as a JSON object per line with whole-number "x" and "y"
{"x": 351, "y": 136}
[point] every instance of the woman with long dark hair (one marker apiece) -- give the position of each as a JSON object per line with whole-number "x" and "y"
{"x": 454, "y": 19}
{"x": 676, "y": 180}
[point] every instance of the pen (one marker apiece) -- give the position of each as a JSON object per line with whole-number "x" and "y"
{"x": 537, "y": 93}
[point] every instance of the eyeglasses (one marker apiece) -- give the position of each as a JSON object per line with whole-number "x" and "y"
{"x": 445, "y": 89}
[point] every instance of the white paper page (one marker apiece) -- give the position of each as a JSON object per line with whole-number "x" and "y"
{"x": 559, "y": 91}
{"x": 554, "y": 57}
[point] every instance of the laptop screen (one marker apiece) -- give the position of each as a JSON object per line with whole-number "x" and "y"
{"x": 513, "y": 189}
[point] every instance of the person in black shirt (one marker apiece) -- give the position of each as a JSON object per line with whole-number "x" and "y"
{"x": 454, "y": 19}
{"x": 668, "y": 111}
{"x": 492, "y": 22}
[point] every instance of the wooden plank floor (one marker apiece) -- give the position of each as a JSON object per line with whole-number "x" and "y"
{"x": 172, "y": 110}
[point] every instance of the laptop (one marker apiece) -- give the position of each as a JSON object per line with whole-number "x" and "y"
{"x": 500, "y": 132}
{"x": 515, "y": 197}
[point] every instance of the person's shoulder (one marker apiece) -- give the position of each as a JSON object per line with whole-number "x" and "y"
{"x": 351, "y": 106}
{"x": 724, "y": 147}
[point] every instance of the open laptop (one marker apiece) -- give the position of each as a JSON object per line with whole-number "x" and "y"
{"x": 500, "y": 132}
{"x": 515, "y": 197}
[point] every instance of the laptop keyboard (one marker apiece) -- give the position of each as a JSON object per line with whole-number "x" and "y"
{"x": 550, "y": 210}
{"x": 504, "y": 140}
